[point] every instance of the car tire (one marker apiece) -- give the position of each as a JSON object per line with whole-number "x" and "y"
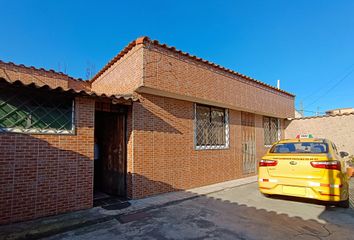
{"x": 344, "y": 204}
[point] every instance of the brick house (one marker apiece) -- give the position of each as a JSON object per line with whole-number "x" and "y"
{"x": 160, "y": 119}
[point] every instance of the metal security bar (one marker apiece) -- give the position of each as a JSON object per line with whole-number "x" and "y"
{"x": 271, "y": 130}
{"x": 248, "y": 140}
{"x": 28, "y": 111}
{"x": 211, "y": 127}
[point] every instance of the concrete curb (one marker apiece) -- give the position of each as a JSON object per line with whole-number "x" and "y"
{"x": 161, "y": 199}
{"x": 176, "y": 197}
{"x": 49, "y": 226}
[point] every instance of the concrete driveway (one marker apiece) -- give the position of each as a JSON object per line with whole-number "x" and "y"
{"x": 236, "y": 213}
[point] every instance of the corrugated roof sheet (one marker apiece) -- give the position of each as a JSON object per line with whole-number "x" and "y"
{"x": 41, "y": 71}
{"x": 18, "y": 75}
{"x": 67, "y": 90}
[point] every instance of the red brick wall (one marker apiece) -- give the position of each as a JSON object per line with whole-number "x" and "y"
{"x": 260, "y": 148}
{"x": 163, "y": 154}
{"x": 44, "y": 175}
{"x": 124, "y": 76}
{"x": 167, "y": 73}
{"x": 129, "y": 140}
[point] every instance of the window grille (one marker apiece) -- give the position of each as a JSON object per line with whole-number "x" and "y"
{"x": 28, "y": 111}
{"x": 211, "y": 127}
{"x": 248, "y": 141}
{"x": 271, "y": 128}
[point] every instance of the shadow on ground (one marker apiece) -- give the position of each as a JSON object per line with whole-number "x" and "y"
{"x": 235, "y": 213}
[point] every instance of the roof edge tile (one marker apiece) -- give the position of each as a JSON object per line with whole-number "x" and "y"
{"x": 39, "y": 70}
{"x": 145, "y": 39}
{"x": 325, "y": 116}
{"x": 69, "y": 90}
{"x": 141, "y": 40}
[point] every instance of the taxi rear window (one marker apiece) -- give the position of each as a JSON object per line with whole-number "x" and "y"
{"x": 300, "y": 147}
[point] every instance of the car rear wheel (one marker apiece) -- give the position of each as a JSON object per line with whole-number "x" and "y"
{"x": 344, "y": 204}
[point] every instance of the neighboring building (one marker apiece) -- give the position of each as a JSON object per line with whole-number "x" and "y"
{"x": 337, "y": 127}
{"x": 161, "y": 120}
{"x": 298, "y": 114}
{"x": 340, "y": 111}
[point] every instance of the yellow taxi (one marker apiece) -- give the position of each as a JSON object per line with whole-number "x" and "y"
{"x": 305, "y": 167}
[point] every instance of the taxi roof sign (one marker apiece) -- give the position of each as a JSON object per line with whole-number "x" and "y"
{"x": 304, "y": 136}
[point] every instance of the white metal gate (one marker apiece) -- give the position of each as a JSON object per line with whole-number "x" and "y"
{"x": 248, "y": 143}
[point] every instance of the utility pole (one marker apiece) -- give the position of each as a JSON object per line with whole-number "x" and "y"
{"x": 90, "y": 70}
{"x": 301, "y": 108}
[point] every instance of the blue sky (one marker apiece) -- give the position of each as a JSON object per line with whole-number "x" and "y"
{"x": 308, "y": 45}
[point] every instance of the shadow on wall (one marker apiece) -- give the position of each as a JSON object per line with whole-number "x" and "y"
{"x": 43, "y": 175}
{"x": 144, "y": 187}
{"x": 146, "y": 120}
{"x": 163, "y": 114}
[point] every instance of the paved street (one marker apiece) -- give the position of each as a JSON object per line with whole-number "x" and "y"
{"x": 237, "y": 213}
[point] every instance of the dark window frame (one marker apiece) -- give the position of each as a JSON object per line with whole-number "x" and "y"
{"x": 271, "y": 135}
{"x": 210, "y": 128}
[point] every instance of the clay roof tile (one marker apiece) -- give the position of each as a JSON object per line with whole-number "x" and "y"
{"x": 145, "y": 40}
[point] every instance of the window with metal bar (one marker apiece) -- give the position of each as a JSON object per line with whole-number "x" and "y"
{"x": 211, "y": 127}
{"x": 271, "y": 130}
{"x": 29, "y": 111}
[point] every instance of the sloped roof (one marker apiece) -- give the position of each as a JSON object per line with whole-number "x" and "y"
{"x": 146, "y": 40}
{"x": 40, "y": 71}
{"x": 325, "y": 116}
{"x": 67, "y": 90}
{"x": 84, "y": 91}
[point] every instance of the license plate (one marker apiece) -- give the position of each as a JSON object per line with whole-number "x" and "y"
{"x": 300, "y": 191}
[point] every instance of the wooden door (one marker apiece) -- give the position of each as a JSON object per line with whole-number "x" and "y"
{"x": 248, "y": 141}
{"x": 111, "y": 133}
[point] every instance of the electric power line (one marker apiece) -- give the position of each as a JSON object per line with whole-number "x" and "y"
{"x": 331, "y": 88}
{"x": 326, "y": 83}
